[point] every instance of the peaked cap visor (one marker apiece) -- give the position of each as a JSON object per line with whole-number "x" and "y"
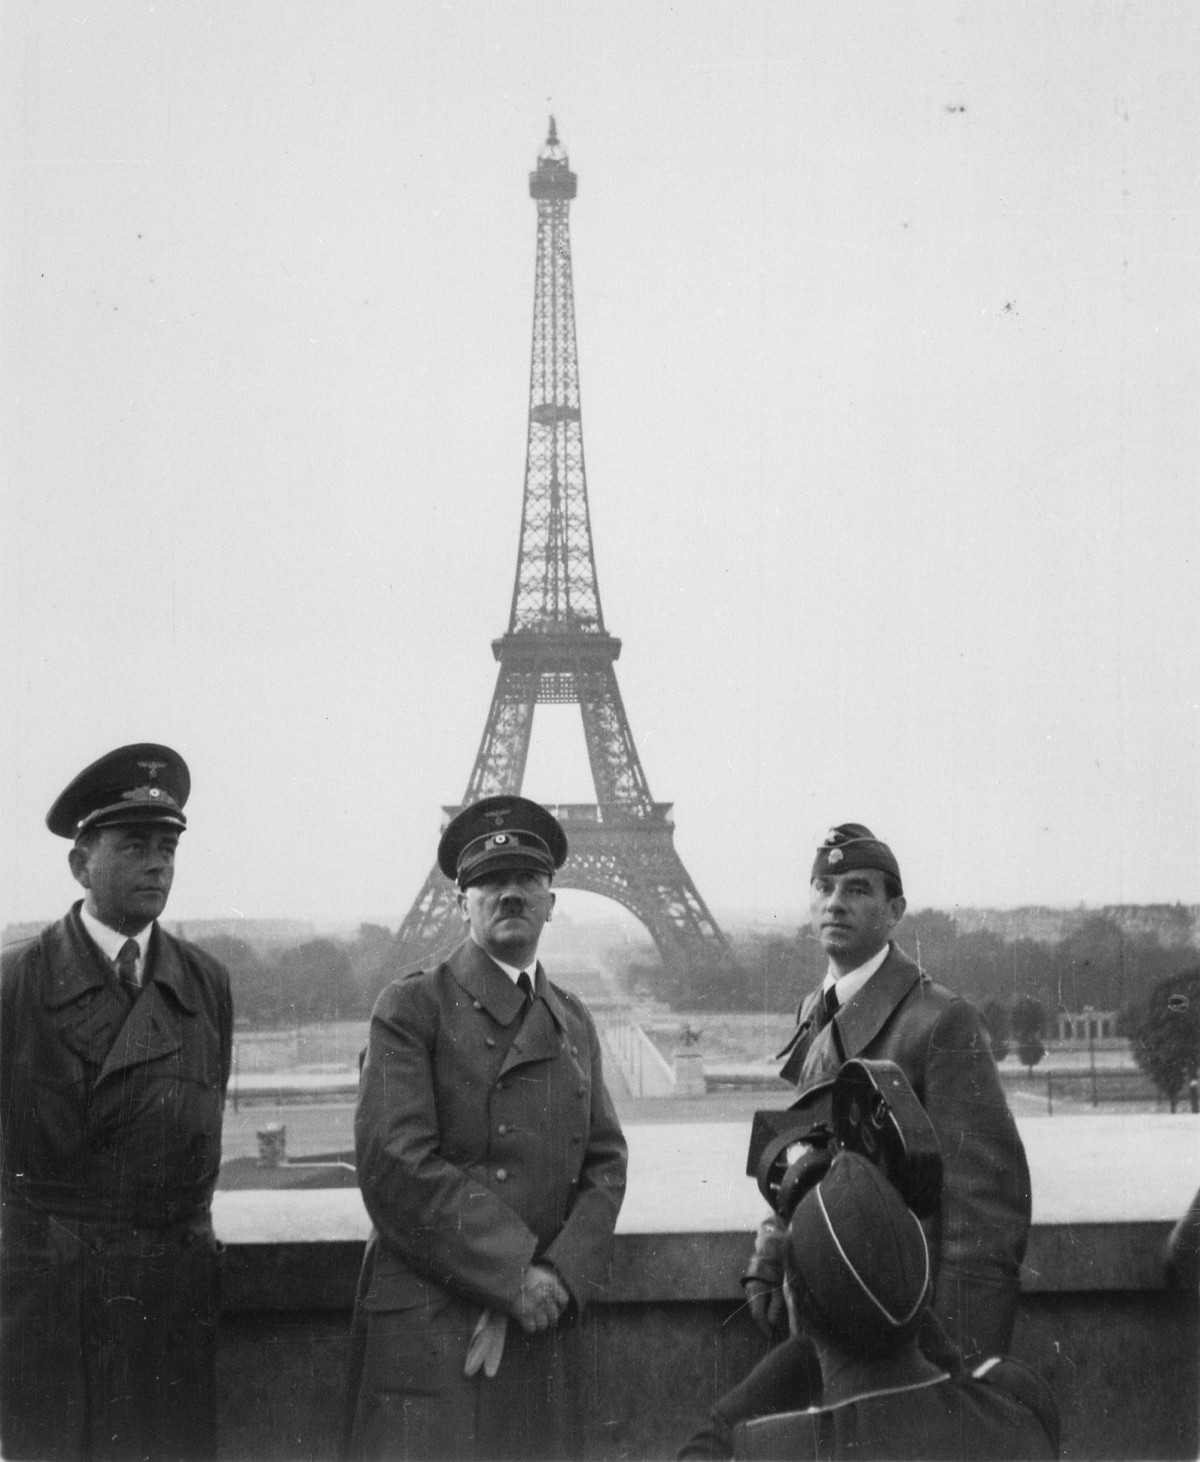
{"x": 141, "y": 783}
{"x": 501, "y": 832}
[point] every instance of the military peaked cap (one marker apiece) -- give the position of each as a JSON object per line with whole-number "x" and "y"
{"x": 143, "y": 783}
{"x": 851, "y": 845}
{"x": 501, "y": 832}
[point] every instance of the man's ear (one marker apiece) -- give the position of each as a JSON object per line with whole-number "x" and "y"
{"x": 898, "y": 904}
{"x": 550, "y": 910}
{"x": 77, "y": 861}
{"x": 460, "y": 898}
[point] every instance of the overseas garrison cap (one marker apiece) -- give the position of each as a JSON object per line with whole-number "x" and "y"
{"x": 501, "y": 832}
{"x": 861, "y": 1254}
{"x": 143, "y": 783}
{"x": 851, "y": 845}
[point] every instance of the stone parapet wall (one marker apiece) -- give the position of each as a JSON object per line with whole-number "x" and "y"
{"x": 1118, "y": 1348}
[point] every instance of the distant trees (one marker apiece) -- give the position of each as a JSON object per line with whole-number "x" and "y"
{"x": 317, "y": 980}
{"x": 1028, "y": 1025}
{"x": 1096, "y": 964}
{"x": 1164, "y": 1033}
{"x": 780, "y": 969}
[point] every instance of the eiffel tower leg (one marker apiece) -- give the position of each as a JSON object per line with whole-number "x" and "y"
{"x": 504, "y": 749}
{"x": 634, "y": 862}
{"x": 433, "y": 925}
{"x": 616, "y": 768}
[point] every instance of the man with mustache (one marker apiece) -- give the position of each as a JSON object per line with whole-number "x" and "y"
{"x": 114, "y": 1056}
{"x": 492, "y": 1165}
{"x": 876, "y": 1003}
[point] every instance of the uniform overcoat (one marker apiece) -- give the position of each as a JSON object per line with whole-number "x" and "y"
{"x": 110, "y": 1123}
{"x": 485, "y": 1139}
{"x": 938, "y": 1040}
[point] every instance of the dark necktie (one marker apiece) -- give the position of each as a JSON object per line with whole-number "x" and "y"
{"x": 829, "y": 1004}
{"x": 525, "y": 986}
{"x": 127, "y": 968}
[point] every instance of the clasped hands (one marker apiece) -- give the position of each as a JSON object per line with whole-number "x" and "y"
{"x": 539, "y": 1306}
{"x": 542, "y": 1300}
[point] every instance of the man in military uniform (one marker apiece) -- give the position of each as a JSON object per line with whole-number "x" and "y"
{"x": 493, "y": 1167}
{"x": 114, "y": 1057}
{"x": 858, "y": 1277}
{"x": 876, "y": 1003}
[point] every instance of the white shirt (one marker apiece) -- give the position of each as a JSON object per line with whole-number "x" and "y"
{"x": 514, "y": 972}
{"x": 109, "y": 941}
{"x": 848, "y": 985}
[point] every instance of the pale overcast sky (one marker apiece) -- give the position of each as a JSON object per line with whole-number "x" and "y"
{"x": 887, "y": 323}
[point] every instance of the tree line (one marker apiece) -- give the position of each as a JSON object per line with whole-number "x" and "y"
{"x": 277, "y": 986}
{"x": 1018, "y": 985}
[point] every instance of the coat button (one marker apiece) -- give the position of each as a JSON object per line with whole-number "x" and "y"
{"x": 476, "y": 1004}
{"x": 501, "y": 1175}
{"x": 502, "y": 1129}
{"x": 490, "y": 1041}
{"x": 574, "y": 1050}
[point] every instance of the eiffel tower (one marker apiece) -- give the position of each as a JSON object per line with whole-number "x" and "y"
{"x": 556, "y": 650}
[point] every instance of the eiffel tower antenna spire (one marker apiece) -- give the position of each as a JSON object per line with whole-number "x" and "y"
{"x": 556, "y": 650}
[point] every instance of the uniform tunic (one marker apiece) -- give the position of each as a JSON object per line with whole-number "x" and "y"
{"x": 485, "y": 1139}
{"x": 110, "y": 1120}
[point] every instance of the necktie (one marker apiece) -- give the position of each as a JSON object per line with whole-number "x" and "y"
{"x": 127, "y": 968}
{"x": 829, "y": 1004}
{"x": 525, "y": 985}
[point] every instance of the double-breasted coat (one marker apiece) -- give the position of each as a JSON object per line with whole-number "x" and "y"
{"x": 485, "y": 1139}
{"x": 938, "y": 1040}
{"x": 110, "y": 1122}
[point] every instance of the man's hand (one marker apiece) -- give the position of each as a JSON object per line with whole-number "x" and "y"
{"x": 542, "y": 1300}
{"x": 763, "y": 1279}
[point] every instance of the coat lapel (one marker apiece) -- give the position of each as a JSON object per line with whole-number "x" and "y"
{"x": 153, "y": 1028}
{"x": 484, "y": 981}
{"x": 539, "y": 1037}
{"x": 89, "y": 1008}
{"x": 816, "y": 1056}
{"x": 805, "y": 1023}
{"x": 861, "y": 1019}
{"x": 72, "y": 964}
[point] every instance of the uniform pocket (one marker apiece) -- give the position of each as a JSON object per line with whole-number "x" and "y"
{"x": 419, "y": 1350}
{"x": 394, "y": 1286}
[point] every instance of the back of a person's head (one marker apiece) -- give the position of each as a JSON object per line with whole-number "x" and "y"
{"x": 857, "y": 1259}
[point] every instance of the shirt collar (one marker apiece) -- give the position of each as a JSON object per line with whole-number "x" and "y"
{"x": 514, "y": 972}
{"x": 850, "y": 984}
{"x": 110, "y": 942}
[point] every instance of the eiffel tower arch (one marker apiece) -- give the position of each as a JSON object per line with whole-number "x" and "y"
{"x": 556, "y": 650}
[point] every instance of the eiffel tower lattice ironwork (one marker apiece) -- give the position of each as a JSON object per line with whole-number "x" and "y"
{"x": 557, "y": 650}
